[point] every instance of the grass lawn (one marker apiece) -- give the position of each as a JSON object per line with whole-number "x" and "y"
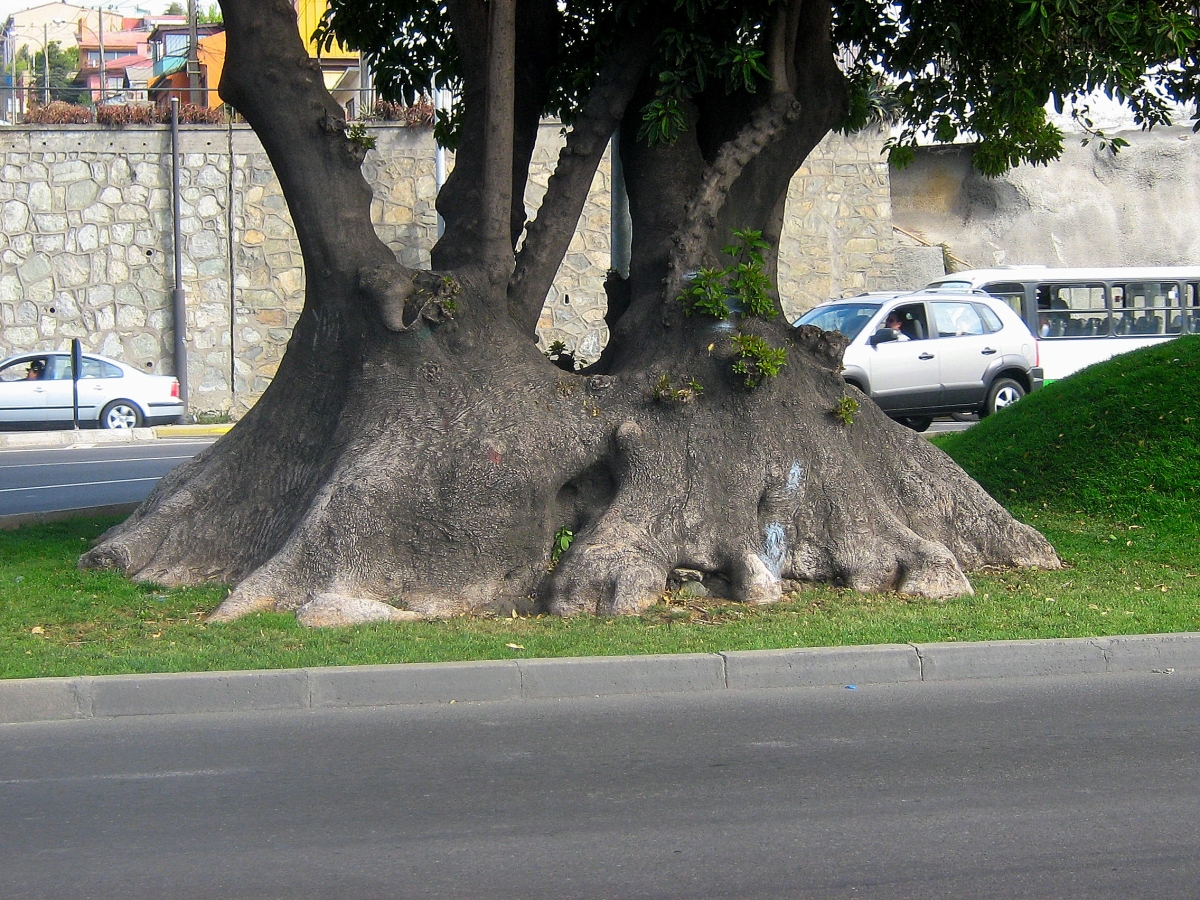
{"x": 1106, "y": 464}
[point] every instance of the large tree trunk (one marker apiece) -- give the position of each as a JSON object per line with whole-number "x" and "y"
{"x": 416, "y": 454}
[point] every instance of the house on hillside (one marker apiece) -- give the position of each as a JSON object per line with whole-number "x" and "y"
{"x": 30, "y": 30}
{"x": 342, "y": 68}
{"x": 116, "y": 66}
{"x": 104, "y": 57}
{"x": 169, "y": 50}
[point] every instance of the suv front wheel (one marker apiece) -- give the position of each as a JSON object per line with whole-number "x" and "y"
{"x": 1003, "y": 392}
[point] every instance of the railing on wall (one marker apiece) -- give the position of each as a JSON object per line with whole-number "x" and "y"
{"x": 33, "y": 104}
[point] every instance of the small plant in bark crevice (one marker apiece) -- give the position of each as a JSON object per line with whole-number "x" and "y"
{"x": 564, "y": 357}
{"x": 757, "y": 359}
{"x": 845, "y": 410}
{"x": 357, "y": 134}
{"x": 563, "y": 538}
{"x": 664, "y": 391}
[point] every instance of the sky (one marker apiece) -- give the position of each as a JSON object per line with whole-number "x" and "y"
{"x": 8, "y": 7}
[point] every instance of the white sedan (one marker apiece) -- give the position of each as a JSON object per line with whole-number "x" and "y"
{"x": 37, "y": 389}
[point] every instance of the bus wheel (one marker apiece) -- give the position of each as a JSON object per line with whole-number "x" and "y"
{"x": 1004, "y": 392}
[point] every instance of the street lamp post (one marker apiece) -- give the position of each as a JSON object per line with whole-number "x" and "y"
{"x": 46, "y": 63}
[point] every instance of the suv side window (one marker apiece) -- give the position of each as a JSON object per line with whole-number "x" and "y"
{"x": 990, "y": 319}
{"x": 954, "y": 319}
{"x": 913, "y": 317}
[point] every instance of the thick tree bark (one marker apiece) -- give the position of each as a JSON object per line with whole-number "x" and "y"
{"x": 416, "y": 455}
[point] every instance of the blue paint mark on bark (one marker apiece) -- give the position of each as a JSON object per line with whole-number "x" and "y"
{"x": 775, "y": 549}
{"x": 795, "y": 476}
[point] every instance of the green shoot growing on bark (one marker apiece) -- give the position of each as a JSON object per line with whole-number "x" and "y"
{"x": 744, "y": 282}
{"x": 563, "y": 539}
{"x": 758, "y": 359}
{"x": 357, "y": 134}
{"x": 664, "y": 391}
{"x": 845, "y": 410}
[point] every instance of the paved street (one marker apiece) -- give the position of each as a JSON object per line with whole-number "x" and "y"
{"x": 93, "y": 474}
{"x": 87, "y": 475}
{"x": 1080, "y": 787}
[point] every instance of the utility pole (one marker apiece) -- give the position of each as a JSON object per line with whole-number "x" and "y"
{"x": 193, "y": 58}
{"x": 103, "y": 65}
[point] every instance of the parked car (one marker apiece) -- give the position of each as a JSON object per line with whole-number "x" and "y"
{"x": 948, "y": 352}
{"x": 36, "y": 390}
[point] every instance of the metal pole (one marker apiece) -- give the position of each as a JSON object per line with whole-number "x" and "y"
{"x": 441, "y": 101}
{"x": 103, "y": 65}
{"x": 46, "y": 63}
{"x": 76, "y": 371}
{"x": 178, "y": 298}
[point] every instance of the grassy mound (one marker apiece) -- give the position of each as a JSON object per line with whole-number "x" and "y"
{"x": 1117, "y": 439}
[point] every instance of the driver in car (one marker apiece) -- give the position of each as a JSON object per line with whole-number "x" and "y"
{"x": 896, "y": 323}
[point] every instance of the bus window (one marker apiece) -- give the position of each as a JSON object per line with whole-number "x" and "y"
{"x": 1191, "y": 306}
{"x": 1149, "y": 307}
{"x": 1072, "y": 310}
{"x": 1010, "y": 293}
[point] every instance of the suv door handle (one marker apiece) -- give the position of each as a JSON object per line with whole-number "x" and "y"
{"x": 987, "y": 351}
{"x": 926, "y": 355}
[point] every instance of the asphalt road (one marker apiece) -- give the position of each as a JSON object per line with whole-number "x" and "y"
{"x": 87, "y": 475}
{"x": 1080, "y": 787}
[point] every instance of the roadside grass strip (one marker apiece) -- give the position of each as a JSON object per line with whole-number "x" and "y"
{"x": 1105, "y": 463}
{"x": 58, "y": 620}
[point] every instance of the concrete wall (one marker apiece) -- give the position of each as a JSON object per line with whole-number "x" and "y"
{"x": 1090, "y": 208}
{"x": 86, "y": 247}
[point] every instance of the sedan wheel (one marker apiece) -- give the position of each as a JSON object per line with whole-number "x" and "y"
{"x": 1004, "y": 392}
{"x": 121, "y": 414}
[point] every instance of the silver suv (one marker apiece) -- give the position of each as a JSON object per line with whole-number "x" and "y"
{"x": 924, "y": 354}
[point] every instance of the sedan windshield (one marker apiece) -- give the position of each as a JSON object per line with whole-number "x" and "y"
{"x": 848, "y": 318}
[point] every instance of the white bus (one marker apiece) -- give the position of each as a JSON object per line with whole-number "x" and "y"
{"x": 1085, "y": 316}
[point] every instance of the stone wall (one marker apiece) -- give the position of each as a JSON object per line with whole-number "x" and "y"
{"x": 837, "y": 238}
{"x": 86, "y": 249}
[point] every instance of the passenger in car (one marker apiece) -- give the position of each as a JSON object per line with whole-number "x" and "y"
{"x": 37, "y": 368}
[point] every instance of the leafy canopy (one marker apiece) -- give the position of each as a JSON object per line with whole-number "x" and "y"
{"x": 943, "y": 67}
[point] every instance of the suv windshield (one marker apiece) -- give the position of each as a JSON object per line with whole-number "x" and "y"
{"x": 848, "y": 318}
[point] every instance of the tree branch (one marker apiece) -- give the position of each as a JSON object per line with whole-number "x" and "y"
{"x": 460, "y": 200}
{"x": 270, "y": 79}
{"x": 497, "y": 255}
{"x": 691, "y": 240}
{"x": 548, "y": 236}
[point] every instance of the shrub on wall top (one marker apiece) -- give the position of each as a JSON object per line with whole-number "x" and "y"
{"x": 58, "y": 112}
{"x": 115, "y": 115}
{"x": 420, "y": 113}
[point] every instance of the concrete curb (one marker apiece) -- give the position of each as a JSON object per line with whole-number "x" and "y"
{"x": 411, "y": 684}
{"x": 40, "y": 440}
